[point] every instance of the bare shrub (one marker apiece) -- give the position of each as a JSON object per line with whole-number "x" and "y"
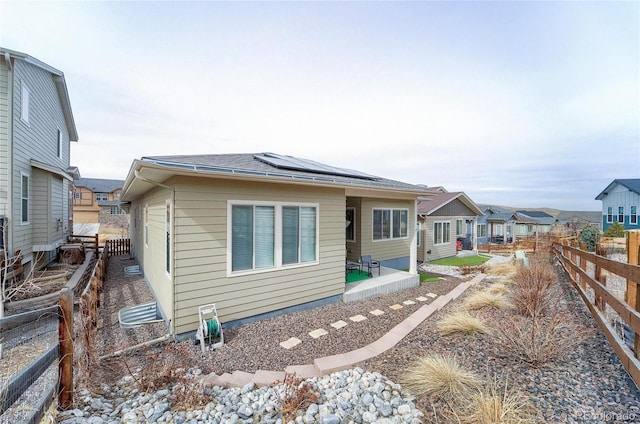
{"x": 298, "y": 395}
{"x": 496, "y": 404}
{"x": 538, "y": 339}
{"x": 487, "y": 299}
{"x": 440, "y": 377}
{"x": 461, "y": 322}
{"x": 535, "y": 291}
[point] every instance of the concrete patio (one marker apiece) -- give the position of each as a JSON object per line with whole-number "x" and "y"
{"x": 390, "y": 281}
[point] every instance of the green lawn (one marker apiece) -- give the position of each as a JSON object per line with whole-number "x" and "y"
{"x": 425, "y": 278}
{"x": 462, "y": 260}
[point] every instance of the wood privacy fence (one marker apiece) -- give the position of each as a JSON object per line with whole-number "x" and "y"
{"x": 509, "y": 248}
{"x": 62, "y": 350}
{"x": 89, "y": 242}
{"x": 588, "y": 273}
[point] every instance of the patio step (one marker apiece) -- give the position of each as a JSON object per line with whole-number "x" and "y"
{"x": 390, "y": 281}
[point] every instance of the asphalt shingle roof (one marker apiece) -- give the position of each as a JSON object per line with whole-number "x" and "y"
{"x": 99, "y": 185}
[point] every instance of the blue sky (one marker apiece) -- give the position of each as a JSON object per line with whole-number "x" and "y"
{"x": 527, "y": 104}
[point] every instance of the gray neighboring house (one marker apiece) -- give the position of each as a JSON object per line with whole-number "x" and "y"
{"x": 36, "y": 180}
{"x": 545, "y": 223}
{"x": 498, "y": 225}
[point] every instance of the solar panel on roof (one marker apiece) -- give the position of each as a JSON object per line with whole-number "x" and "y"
{"x": 306, "y": 165}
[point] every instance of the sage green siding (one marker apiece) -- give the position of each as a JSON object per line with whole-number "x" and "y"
{"x": 384, "y": 249}
{"x": 199, "y": 237}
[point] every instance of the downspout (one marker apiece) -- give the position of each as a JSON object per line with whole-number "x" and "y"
{"x": 413, "y": 249}
{"x": 10, "y": 191}
{"x": 136, "y": 173}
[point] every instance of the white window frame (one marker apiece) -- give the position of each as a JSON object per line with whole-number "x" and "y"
{"x": 445, "y": 240}
{"x": 459, "y": 226}
{"x": 352, "y": 224}
{"x": 278, "y": 227}
{"x": 24, "y": 102}
{"x": 167, "y": 228}
{"x": 116, "y": 210}
{"x": 392, "y": 235}
{"x": 146, "y": 225}
{"x": 59, "y": 148}
{"x": 99, "y": 196}
{"x": 621, "y": 214}
{"x": 481, "y": 230}
{"x": 24, "y": 199}
{"x": 633, "y": 215}
{"x": 609, "y": 214}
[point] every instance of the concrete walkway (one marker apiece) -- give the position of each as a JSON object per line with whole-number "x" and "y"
{"x": 342, "y": 361}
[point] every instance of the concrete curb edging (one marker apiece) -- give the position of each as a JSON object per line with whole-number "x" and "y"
{"x": 342, "y": 361}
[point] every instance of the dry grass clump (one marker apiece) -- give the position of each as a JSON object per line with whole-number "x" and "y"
{"x": 495, "y": 404}
{"x": 506, "y": 270}
{"x": 487, "y": 299}
{"x": 498, "y": 288}
{"x": 461, "y": 322}
{"x": 440, "y": 377}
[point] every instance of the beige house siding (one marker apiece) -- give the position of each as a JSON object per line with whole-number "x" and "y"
{"x": 426, "y": 240}
{"x": 384, "y": 249}
{"x": 199, "y": 236}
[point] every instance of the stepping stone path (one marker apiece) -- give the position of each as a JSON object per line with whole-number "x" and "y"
{"x": 293, "y": 341}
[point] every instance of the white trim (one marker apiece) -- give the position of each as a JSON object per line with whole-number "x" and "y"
{"x": 633, "y": 217}
{"x": 434, "y": 233}
{"x": 168, "y": 258}
{"x": 22, "y": 175}
{"x": 59, "y": 149}
{"x": 278, "y": 266}
{"x": 391, "y": 235}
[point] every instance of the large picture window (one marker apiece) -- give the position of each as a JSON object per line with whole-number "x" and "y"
{"x": 267, "y": 236}
{"x": 441, "y": 232}
{"x": 390, "y": 223}
{"x": 482, "y": 230}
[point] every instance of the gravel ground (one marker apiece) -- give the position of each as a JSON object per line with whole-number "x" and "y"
{"x": 589, "y": 385}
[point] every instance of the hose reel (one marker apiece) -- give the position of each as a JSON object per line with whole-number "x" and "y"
{"x": 209, "y": 329}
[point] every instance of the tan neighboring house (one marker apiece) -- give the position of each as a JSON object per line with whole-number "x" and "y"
{"x": 260, "y": 234}
{"x": 443, "y": 219}
{"x": 97, "y": 201}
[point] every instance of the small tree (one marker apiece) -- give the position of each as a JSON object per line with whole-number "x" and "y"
{"x": 590, "y": 236}
{"x": 615, "y": 230}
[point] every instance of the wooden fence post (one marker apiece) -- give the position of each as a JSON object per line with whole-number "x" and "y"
{"x": 65, "y": 335}
{"x": 633, "y": 294}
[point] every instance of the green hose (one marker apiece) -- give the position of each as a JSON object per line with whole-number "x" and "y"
{"x": 213, "y": 329}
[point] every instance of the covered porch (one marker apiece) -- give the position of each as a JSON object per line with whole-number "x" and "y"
{"x": 390, "y": 281}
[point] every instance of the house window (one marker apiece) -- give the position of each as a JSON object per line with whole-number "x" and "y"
{"x": 267, "y": 236}
{"x": 146, "y": 225}
{"x": 24, "y": 108}
{"x": 117, "y": 210}
{"x": 390, "y": 223}
{"x": 77, "y": 195}
{"x": 59, "y": 147}
{"x": 441, "y": 232}
{"x": 24, "y": 204}
{"x": 482, "y": 230}
{"x": 350, "y": 224}
{"x": 610, "y": 214}
{"x": 621, "y": 214}
{"x": 458, "y": 227}
{"x": 167, "y": 227}
{"x": 633, "y": 216}
{"x": 102, "y": 196}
